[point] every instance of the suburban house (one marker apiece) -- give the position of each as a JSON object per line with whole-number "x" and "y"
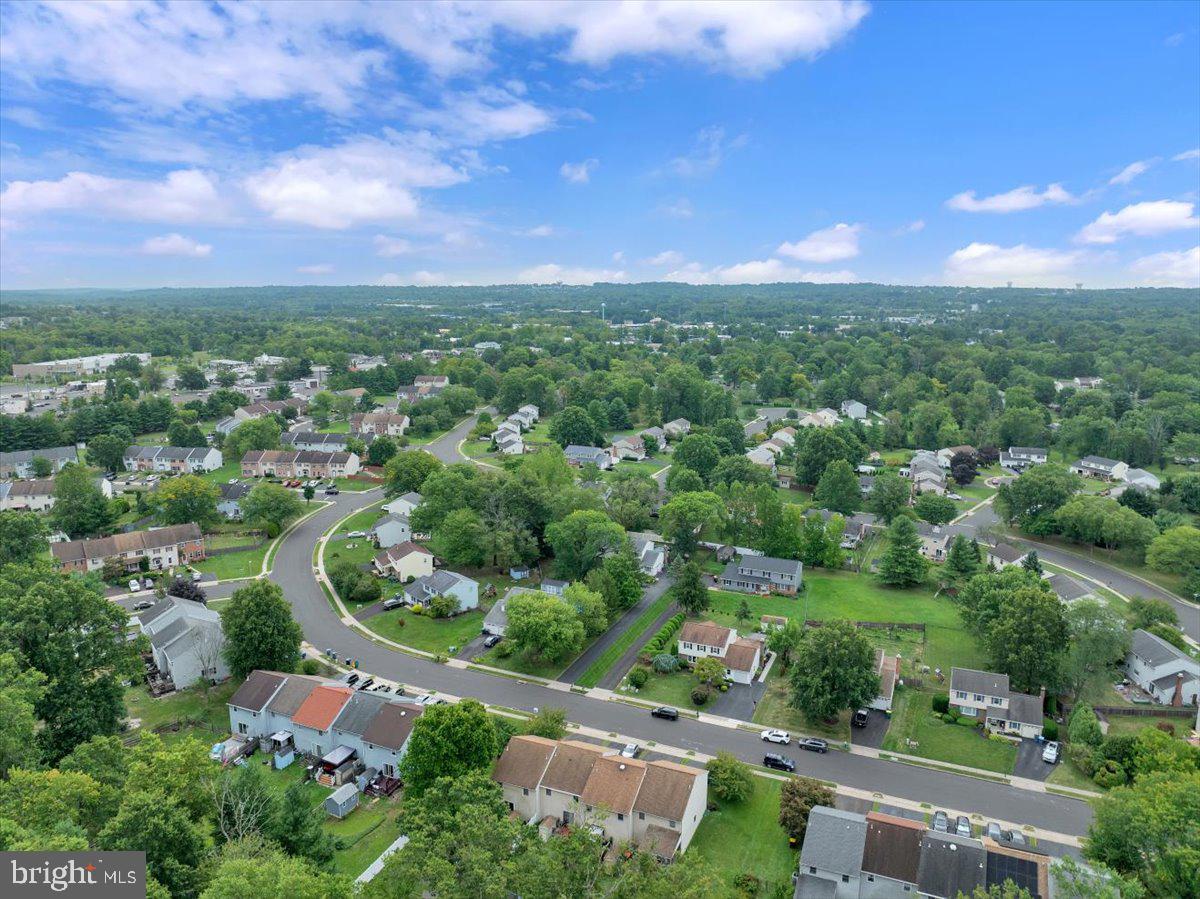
{"x": 1141, "y": 479}
{"x": 496, "y": 620}
{"x": 1068, "y": 589}
{"x": 37, "y": 495}
{"x": 945, "y": 454}
{"x": 444, "y": 583}
{"x": 529, "y": 410}
{"x": 435, "y": 383}
{"x": 1003, "y": 555}
{"x": 298, "y": 464}
{"x": 581, "y": 455}
{"x": 651, "y": 553}
{"x": 259, "y": 410}
{"x": 389, "y": 529}
{"x": 762, "y": 455}
{"x": 403, "y": 505}
{"x": 888, "y": 669}
{"x": 322, "y": 717}
{"x": 786, "y": 436}
{"x": 1018, "y": 457}
{"x": 935, "y": 540}
{"x": 698, "y": 639}
{"x": 20, "y": 463}
{"x": 763, "y": 574}
{"x": 359, "y": 362}
{"x": 987, "y": 695}
{"x": 677, "y": 427}
{"x": 229, "y": 503}
{"x": 486, "y": 345}
{"x": 854, "y": 409}
{"x": 1099, "y": 467}
{"x": 822, "y": 418}
{"x": 553, "y": 586}
{"x": 162, "y": 548}
{"x": 313, "y": 440}
{"x": 524, "y": 419}
{"x": 1168, "y": 674}
{"x": 1084, "y": 383}
{"x": 509, "y": 443}
{"x": 632, "y": 448}
{"x": 380, "y": 424}
{"x": 173, "y": 459}
{"x": 556, "y": 783}
{"x": 403, "y": 561}
{"x": 926, "y": 473}
{"x": 659, "y": 435}
{"x": 882, "y": 856}
{"x": 186, "y": 640}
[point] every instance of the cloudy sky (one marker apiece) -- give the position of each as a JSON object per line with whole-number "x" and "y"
{"x": 202, "y": 143}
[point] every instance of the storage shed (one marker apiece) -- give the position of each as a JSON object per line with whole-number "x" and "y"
{"x": 342, "y": 801}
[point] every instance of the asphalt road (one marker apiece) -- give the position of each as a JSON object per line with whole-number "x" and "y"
{"x": 324, "y": 629}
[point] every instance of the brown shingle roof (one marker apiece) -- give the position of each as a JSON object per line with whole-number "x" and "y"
{"x": 134, "y": 541}
{"x": 392, "y": 724}
{"x": 661, "y": 841}
{"x": 571, "y": 766}
{"x": 524, "y": 761}
{"x": 614, "y": 783}
{"x": 707, "y": 633}
{"x": 256, "y": 690}
{"x": 893, "y": 847}
{"x": 297, "y": 689}
{"x": 741, "y": 654}
{"x": 666, "y": 789}
{"x": 321, "y": 707}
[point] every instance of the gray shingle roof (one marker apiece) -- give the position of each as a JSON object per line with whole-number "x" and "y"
{"x": 356, "y": 716}
{"x": 834, "y": 841}
{"x": 972, "y": 681}
{"x": 772, "y": 564}
{"x": 1155, "y": 650}
{"x": 950, "y": 864}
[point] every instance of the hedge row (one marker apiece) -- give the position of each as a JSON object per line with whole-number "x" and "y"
{"x": 666, "y": 633}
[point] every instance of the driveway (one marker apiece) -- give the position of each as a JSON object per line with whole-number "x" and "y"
{"x": 472, "y": 649}
{"x": 872, "y": 735}
{"x": 738, "y": 702}
{"x": 622, "y": 624}
{"x": 1029, "y": 761}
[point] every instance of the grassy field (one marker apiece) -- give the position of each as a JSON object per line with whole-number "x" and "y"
{"x": 609, "y": 657}
{"x": 1065, "y": 774}
{"x": 335, "y": 427}
{"x": 209, "y": 709}
{"x": 247, "y": 563}
{"x": 231, "y": 469}
{"x": 773, "y": 709}
{"x": 933, "y": 738}
{"x": 355, "y": 485}
{"x": 746, "y": 837}
{"x": 437, "y": 635}
{"x": 670, "y": 689}
{"x": 647, "y": 467}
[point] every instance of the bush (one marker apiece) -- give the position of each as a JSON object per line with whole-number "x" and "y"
{"x": 665, "y": 663}
{"x": 747, "y": 883}
{"x": 504, "y": 649}
{"x": 950, "y": 718}
{"x": 701, "y": 694}
{"x": 1083, "y": 757}
{"x": 1049, "y": 729}
{"x": 941, "y": 703}
{"x": 1110, "y": 775}
{"x": 271, "y": 528}
{"x": 417, "y": 609}
{"x": 310, "y": 667}
{"x": 1166, "y": 727}
{"x": 638, "y": 677}
{"x": 1084, "y": 727}
{"x": 729, "y": 778}
{"x": 966, "y": 721}
{"x": 442, "y": 606}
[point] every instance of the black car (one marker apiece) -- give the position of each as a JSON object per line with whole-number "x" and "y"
{"x": 367, "y": 683}
{"x": 492, "y": 641}
{"x": 665, "y": 712}
{"x": 861, "y": 717}
{"x": 351, "y": 678}
{"x": 332, "y": 491}
{"x": 812, "y": 744}
{"x": 778, "y": 762}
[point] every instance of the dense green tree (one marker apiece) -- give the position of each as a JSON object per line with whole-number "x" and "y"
{"x": 902, "y": 564}
{"x": 619, "y": 580}
{"x": 631, "y": 499}
{"x": 574, "y": 426}
{"x": 838, "y": 490}
{"x": 255, "y": 434}
{"x": 548, "y": 723}
{"x": 1099, "y": 640}
{"x": 590, "y": 607}
{"x": 730, "y": 778}
{"x": 461, "y": 539}
{"x": 699, "y": 453}
{"x": 685, "y": 515}
{"x": 1176, "y": 551}
{"x": 107, "y": 452}
{"x": 259, "y": 630}
{"x": 581, "y": 540}
{"x": 683, "y": 480}
{"x": 255, "y": 867}
{"x": 407, "y": 471}
{"x": 543, "y": 627}
{"x": 1105, "y": 522}
{"x": 187, "y": 499}
{"x": 935, "y": 509}
{"x": 1031, "y": 500}
{"x": 889, "y": 495}
{"x": 690, "y": 591}
{"x": 381, "y": 450}
{"x": 448, "y": 741}
{"x": 297, "y": 826}
{"x": 271, "y": 503}
{"x": 1026, "y": 639}
{"x": 963, "y": 560}
{"x": 798, "y": 797}
{"x": 834, "y": 670}
{"x": 1146, "y": 613}
{"x": 1084, "y": 727}
{"x": 20, "y": 692}
{"x": 24, "y": 537}
{"x": 80, "y": 509}
{"x": 784, "y": 641}
{"x": 179, "y": 845}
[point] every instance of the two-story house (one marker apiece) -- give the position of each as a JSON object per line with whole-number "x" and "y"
{"x": 1100, "y": 467}
{"x": 1019, "y": 457}
{"x": 379, "y": 424}
{"x": 173, "y": 459}
{"x": 763, "y": 574}
{"x": 1168, "y": 674}
{"x": 314, "y": 440}
{"x": 19, "y": 464}
{"x": 298, "y": 464}
{"x": 444, "y": 583}
{"x": 404, "y": 561}
{"x": 1005, "y": 555}
{"x": 631, "y": 448}
{"x": 656, "y": 805}
{"x": 186, "y": 640}
{"x": 581, "y": 455}
{"x": 982, "y": 694}
{"x": 701, "y": 639}
{"x": 161, "y": 548}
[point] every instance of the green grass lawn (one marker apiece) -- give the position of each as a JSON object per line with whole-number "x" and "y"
{"x": 437, "y": 635}
{"x": 933, "y": 738}
{"x": 231, "y": 469}
{"x": 191, "y": 703}
{"x": 362, "y": 519}
{"x": 773, "y": 710}
{"x": 670, "y": 689}
{"x": 1065, "y": 774}
{"x": 746, "y": 837}
{"x": 519, "y": 664}
{"x": 1132, "y": 724}
{"x": 479, "y": 449}
{"x": 609, "y": 657}
{"x": 359, "y": 550}
{"x": 335, "y": 427}
{"x": 356, "y": 485}
{"x": 647, "y": 467}
{"x": 228, "y": 566}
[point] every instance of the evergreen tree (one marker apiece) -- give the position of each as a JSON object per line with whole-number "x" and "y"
{"x": 297, "y": 826}
{"x": 838, "y": 490}
{"x": 690, "y": 592}
{"x": 962, "y": 562}
{"x": 902, "y": 564}
{"x": 1031, "y": 563}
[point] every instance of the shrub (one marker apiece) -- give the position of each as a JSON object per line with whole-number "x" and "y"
{"x": 271, "y": 528}
{"x": 729, "y": 778}
{"x": 504, "y": 649}
{"x": 967, "y": 721}
{"x": 941, "y": 703}
{"x": 418, "y": 609}
{"x": 400, "y": 620}
{"x": 310, "y": 667}
{"x": 1110, "y": 775}
{"x": 665, "y": 663}
{"x": 950, "y": 718}
{"x": 1049, "y": 729}
{"x": 1166, "y": 727}
{"x": 1083, "y": 757}
{"x": 1084, "y": 727}
{"x": 638, "y": 677}
{"x": 747, "y": 883}
{"x": 701, "y": 694}
{"x": 442, "y": 606}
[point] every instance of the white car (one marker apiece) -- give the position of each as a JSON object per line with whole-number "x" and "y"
{"x": 782, "y": 737}
{"x": 630, "y": 750}
{"x": 1050, "y": 753}
{"x": 356, "y": 534}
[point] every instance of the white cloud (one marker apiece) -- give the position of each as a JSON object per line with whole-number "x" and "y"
{"x": 1169, "y": 269}
{"x": 825, "y": 245}
{"x": 1016, "y": 200}
{"x": 187, "y": 195}
{"x": 762, "y": 271}
{"x": 1186, "y": 154}
{"x": 579, "y": 172}
{"x": 677, "y": 209}
{"x": 1141, "y": 219}
{"x": 914, "y": 227}
{"x": 1132, "y": 170}
{"x": 666, "y": 257}
{"x": 365, "y": 179}
{"x": 539, "y": 231}
{"x": 175, "y": 245}
{"x": 418, "y": 279}
{"x": 485, "y": 115}
{"x": 551, "y": 273}
{"x": 707, "y": 154}
{"x": 618, "y": 257}
{"x": 389, "y": 247}
{"x": 987, "y": 264}
{"x": 320, "y": 268}
{"x": 26, "y": 117}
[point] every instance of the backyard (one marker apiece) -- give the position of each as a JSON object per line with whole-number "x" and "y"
{"x": 745, "y": 837}
{"x": 916, "y": 730}
{"x": 436, "y": 635}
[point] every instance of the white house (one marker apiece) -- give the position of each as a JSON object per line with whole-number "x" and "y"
{"x": 741, "y": 656}
{"x": 1100, "y": 467}
{"x": 509, "y": 443}
{"x": 403, "y": 505}
{"x": 854, "y": 409}
{"x": 1003, "y": 555}
{"x": 822, "y": 418}
{"x": 677, "y": 427}
{"x": 632, "y": 448}
{"x": 36, "y": 495}
{"x": 403, "y": 561}
{"x": 1018, "y": 457}
{"x": 1167, "y": 673}
{"x": 186, "y": 640}
{"x": 982, "y": 694}
{"x": 389, "y": 530}
{"x": 1142, "y": 479}
{"x": 581, "y": 455}
{"x": 651, "y": 554}
{"x": 444, "y": 583}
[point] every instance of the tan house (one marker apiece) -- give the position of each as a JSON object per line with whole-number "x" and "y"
{"x": 298, "y": 464}
{"x": 381, "y": 424}
{"x": 559, "y": 783}
{"x": 162, "y": 548}
{"x": 404, "y": 561}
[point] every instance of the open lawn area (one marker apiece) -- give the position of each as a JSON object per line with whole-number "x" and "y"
{"x": 668, "y": 689}
{"x": 1132, "y": 724}
{"x": 609, "y": 657}
{"x": 437, "y": 635}
{"x": 190, "y": 704}
{"x": 519, "y": 664}
{"x": 744, "y": 837}
{"x": 1065, "y": 774}
{"x": 916, "y": 730}
{"x": 647, "y": 467}
{"x": 231, "y": 469}
{"x": 359, "y": 550}
{"x": 361, "y": 520}
{"x": 229, "y": 566}
{"x": 335, "y": 427}
{"x": 357, "y": 485}
{"x": 773, "y": 710}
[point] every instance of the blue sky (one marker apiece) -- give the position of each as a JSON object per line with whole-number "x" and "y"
{"x": 358, "y": 143}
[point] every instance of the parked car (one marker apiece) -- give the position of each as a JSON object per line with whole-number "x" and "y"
{"x": 812, "y": 744}
{"x": 142, "y": 604}
{"x": 351, "y": 678}
{"x": 781, "y": 737}
{"x": 962, "y": 826}
{"x": 1051, "y": 753}
{"x": 356, "y": 534}
{"x": 196, "y": 576}
{"x": 993, "y": 831}
{"x": 332, "y": 491}
{"x": 393, "y": 602}
{"x": 861, "y": 717}
{"x": 134, "y": 585}
{"x": 778, "y": 762}
{"x": 941, "y": 822}
{"x": 630, "y": 750}
{"x": 665, "y": 712}
{"x": 233, "y": 480}
{"x": 367, "y": 683}
{"x": 492, "y": 641}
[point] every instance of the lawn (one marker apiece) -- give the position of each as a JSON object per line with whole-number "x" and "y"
{"x": 1132, "y": 724}
{"x": 335, "y": 427}
{"x": 519, "y": 664}
{"x": 670, "y": 689}
{"x": 610, "y": 656}
{"x": 362, "y": 519}
{"x": 436, "y": 635}
{"x": 773, "y": 710}
{"x": 1065, "y": 774}
{"x": 191, "y": 704}
{"x": 357, "y": 485}
{"x": 647, "y": 467}
{"x": 231, "y": 469}
{"x": 359, "y": 550}
{"x": 917, "y": 731}
{"x": 229, "y": 566}
{"x": 744, "y": 837}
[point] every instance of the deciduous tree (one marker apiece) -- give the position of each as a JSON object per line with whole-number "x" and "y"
{"x": 834, "y": 670}
{"x": 448, "y": 741}
{"x": 259, "y": 630}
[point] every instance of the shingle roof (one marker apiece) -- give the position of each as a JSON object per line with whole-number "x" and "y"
{"x": 971, "y": 681}
{"x": 1067, "y": 588}
{"x": 156, "y": 611}
{"x": 292, "y": 695}
{"x": 1007, "y": 552}
{"x": 893, "y": 847}
{"x": 257, "y": 689}
{"x": 571, "y": 766}
{"x": 666, "y": 789}
{"x": 741, "y": 654}
{"x": 106, "y": 547}
{"x": 949, "y": 864}
{"x": 321, "y": 707}
{"x": 614, "y": 783}
{"x": 833, "y": 841}
{"x": 392, "y": 724}
{"x": 357, "y": 714}
{"x": 1025, "y": 708}
{"x": 1155, "y": 650}
{"x": 706, "y": 633}
{"x": 524, "y": 761}
{"x": 772, "y": 564}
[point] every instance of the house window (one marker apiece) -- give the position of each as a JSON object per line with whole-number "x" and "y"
{"x": 620, "y": 817}
{"x": 996, "y": 700}
{"x": 242, "y": 727}
{"x": 845, "y": 878}
{"x": 547, "y": 791}
{"x": 672, "y": 823}
{"x": 641, "y": 816}
{"x": 979, "y": 697}
{"x": 870, "y": 878}
{"x": 524, "y": 791}
{"x": 812, "y": 870}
